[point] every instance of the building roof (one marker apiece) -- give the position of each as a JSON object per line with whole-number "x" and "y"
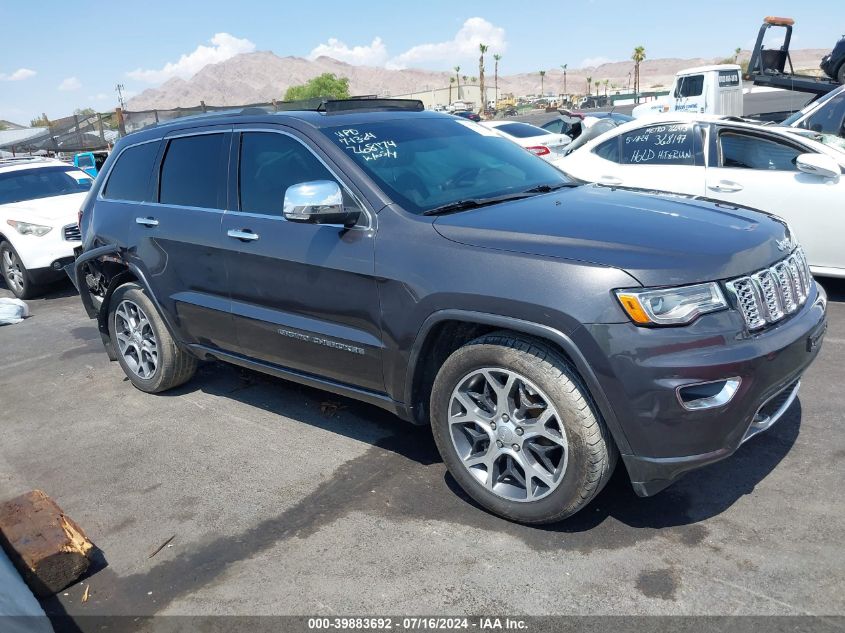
{"x": 11, "y": 138}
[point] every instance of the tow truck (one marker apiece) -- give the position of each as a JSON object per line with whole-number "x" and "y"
{"x": 768, "y": 66}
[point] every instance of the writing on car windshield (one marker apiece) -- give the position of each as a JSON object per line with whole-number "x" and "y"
{"x": 427, "y": 164}
{"x": 670, "y": 144}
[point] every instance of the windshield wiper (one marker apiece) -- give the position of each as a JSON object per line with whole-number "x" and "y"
{"x": 474, "y": 203}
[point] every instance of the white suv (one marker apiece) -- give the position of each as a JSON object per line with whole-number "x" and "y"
{"x": 39, "y": 203}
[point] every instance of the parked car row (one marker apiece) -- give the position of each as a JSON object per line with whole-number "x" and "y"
{"x": 544, "y": 329}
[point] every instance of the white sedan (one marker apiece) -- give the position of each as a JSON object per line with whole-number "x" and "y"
{"x": 39, "y": 203}
{"x": 540, "y": 142}
{"x": 795, "y": 174}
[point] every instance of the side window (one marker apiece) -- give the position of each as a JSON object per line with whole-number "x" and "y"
{"x": 746, "y": 151}
{"x": 830, "y": 117}
{"x": 130, "y": 177}
{"x": 190, "y": 171}
{"x": 269, "y": 164}
{"x": 609, "y": 150}
{"x": 691, "y": 86}
{"x": 85, "y": 161}
{"x": 670, "y": 144}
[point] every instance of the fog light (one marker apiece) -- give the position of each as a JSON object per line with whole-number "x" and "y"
{"x": 708, "y": 395}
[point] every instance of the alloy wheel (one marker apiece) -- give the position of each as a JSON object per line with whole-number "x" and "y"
{"x": 136, "y": 339}
{"x": 13, "y": 270}
{"x": 508, "y": 434}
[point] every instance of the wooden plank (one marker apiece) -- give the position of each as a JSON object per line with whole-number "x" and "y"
{"x": 49, "y": 549}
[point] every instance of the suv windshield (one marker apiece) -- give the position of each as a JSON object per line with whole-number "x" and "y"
{"x": 424, "y": 164}
{"x": 42, "y": 182}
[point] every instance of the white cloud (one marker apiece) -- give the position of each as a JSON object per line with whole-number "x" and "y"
{"x": 373, "y": 55}
{"x": 71, "y": 83}
{"x": 224, "y": 46}
{"x": 462, "y": 47}
{"x": 595, "y": 61}
{"x": 19, "y": 75}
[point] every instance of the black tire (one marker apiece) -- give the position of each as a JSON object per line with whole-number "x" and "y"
{"x": 174, "y": 366}
{"x": 592, "y": 452}
{"x": 26, "y": 289}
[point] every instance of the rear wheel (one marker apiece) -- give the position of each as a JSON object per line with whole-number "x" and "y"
{"x": 15, "y": 273}
{"x": 518, "y": 430}
{"x": 145, "y": 350}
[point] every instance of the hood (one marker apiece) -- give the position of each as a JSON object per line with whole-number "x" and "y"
{"x": 53, "y": 211}
{"x": 661, "y": 239}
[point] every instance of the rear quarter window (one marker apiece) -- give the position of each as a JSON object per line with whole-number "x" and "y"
{"x": 609, "y": 150}
{"x": 130, "y": 177}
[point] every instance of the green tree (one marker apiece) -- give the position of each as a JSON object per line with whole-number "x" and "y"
{"x": 483, "y": 48}
{"x": 326, "y": 85}
{"x": 83, "y": 112}
{"x": 638, "y": 56}
{"x": 496, "y": 57}
{"x": 41, "y": 121}
{"x": 457, "y": 70}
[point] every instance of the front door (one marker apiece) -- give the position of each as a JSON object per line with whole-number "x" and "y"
{"x": 758, "y": 170}
{"x": 304, "y": 296}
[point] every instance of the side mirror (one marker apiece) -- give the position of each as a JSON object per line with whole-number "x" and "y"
{"x": 819, "y": 165}
{"x": 317, "y": 202}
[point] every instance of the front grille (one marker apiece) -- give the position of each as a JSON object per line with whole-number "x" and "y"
{"x": 72, "y": 233}
{"x": 769, "y": 295}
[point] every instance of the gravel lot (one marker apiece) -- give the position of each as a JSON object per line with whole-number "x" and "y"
{"x": 288, "y": 500}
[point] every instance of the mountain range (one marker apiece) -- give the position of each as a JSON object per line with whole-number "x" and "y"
{"x": 263, "y": 76}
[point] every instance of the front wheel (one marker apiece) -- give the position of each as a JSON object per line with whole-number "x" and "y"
{"x": 15, "y": 273}
{"x": 149, "y": 356}
{"x": 518, "y": 431}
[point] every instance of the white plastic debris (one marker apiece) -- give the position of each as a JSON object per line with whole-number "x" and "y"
{"x": 12, "y": 311}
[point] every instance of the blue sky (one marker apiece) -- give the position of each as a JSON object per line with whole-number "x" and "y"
{"x": 140, "y": 44}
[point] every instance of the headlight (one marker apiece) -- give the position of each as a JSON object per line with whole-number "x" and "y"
{"x": 671, "y": 306}
{"x": 26, "y": 228}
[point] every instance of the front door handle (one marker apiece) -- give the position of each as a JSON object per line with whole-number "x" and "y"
{"x": 726, "y": 186}
{"x": 244, "y": 235}
{"x": 146, "y": 221}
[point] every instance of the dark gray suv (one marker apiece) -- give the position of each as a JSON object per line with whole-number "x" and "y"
{"x": 418, "y": 262}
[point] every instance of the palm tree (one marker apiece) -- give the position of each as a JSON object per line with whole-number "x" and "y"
{"x": 542, "y": 80}
{"x": 458, "y": 79}
{"x": 589, "y": 83}
{"x": 737, "y": 51}
{"x": 606, "y": 83}
{"x": 638, "y": 56}
{"x": 564, "y": 67}
{"x": 451, "y": 81}
{"x": 497, "y": 57}
{"x": 483, "y": 49}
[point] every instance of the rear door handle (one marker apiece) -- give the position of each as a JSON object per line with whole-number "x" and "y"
{"x": 726, "y": 186}
{"x": 146, "y": 221}
{"x": 244, "y": 235}
{"x": 610, "y": 180}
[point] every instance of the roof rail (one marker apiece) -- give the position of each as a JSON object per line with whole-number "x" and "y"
{"x": 337, "y": 106}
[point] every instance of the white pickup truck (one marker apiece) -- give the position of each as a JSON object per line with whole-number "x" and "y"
{"x": 700, "y": 90}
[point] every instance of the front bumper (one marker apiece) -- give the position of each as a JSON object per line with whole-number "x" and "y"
{"x": 640, "y": 370}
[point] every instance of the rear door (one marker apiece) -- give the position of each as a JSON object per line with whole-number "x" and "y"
{"x": 663, "y": 157}
{"x": 758, "y": 170}
{"x": 179, "y": 240}
{"x": 304, "y": 296}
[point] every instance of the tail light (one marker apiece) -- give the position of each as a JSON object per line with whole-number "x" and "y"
{"x": 539, "y": 150}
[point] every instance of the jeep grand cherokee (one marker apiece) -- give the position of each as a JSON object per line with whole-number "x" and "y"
{"x": 419, "y": 262}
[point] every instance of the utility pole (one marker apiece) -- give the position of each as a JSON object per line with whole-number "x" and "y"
{"x": 120, "y": 88}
